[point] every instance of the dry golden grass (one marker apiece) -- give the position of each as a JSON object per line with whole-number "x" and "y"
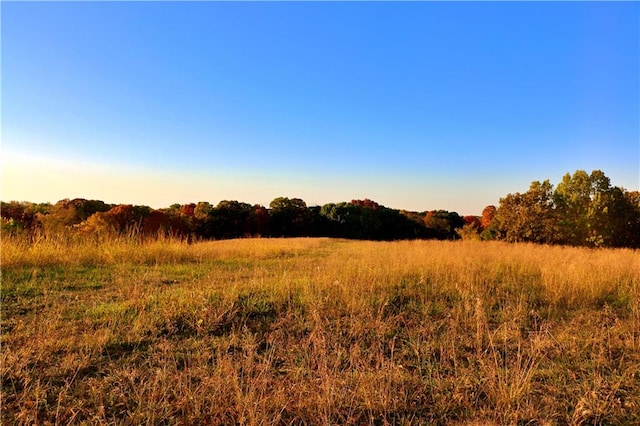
{"x": 318, "y": 331}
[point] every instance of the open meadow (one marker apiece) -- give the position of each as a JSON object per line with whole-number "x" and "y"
{"x": 318, "y": 331}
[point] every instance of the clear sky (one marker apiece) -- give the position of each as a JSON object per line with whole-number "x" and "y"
{"x": 416, "y": 105}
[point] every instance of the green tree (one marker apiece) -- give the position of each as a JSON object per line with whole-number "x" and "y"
{"x": 618, "y": 221}
{"x": 528, "y": 217}
{"x": 202, "y": 210}
{"x": 232, "y": 218}
{"x": 442, "y": 224}
{"x": 288, "y": 217}
{"x": 591, "y": 211}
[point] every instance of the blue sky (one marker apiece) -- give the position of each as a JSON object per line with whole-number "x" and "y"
{"x": 417, "y": 105}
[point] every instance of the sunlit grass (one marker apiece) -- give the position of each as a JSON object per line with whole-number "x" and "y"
{"x": 318, "y": 331}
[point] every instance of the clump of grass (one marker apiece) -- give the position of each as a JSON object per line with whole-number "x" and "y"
{"x": 318, "y": 331}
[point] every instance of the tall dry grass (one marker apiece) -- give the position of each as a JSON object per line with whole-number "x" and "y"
{"x": 318, "y": 331}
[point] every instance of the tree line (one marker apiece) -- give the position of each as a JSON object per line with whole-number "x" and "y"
{"x": 584, "y": 209}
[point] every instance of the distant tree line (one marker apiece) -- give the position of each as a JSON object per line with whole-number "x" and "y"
{"x": 583, "y": 210}
{"x": 285, "y": 217}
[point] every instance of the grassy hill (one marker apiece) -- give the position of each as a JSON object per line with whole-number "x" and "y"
{"x": 318, "y": 331}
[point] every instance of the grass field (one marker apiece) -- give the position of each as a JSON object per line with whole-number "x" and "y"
{"x": 318, "y": 331}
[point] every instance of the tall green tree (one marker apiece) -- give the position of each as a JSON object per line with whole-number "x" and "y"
{"x": 589, "y": 208}
{"x": 528, "y": 217}
{"x": 229, "y": 219}
{"x": 288, "y": 217}
{"x": 619, "y": 219}
{"x": 202, "y": 210}
{"x": 442, "y": 224}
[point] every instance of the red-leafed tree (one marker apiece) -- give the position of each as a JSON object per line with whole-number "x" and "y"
{"x": 259, "y": 219}
{"x": 366, "y": 203}
{"x": 188, "y": 210}
{"x": 472, "y": 221}
{"x": 155, "y": 223}
{"x": 488, "y": 214}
